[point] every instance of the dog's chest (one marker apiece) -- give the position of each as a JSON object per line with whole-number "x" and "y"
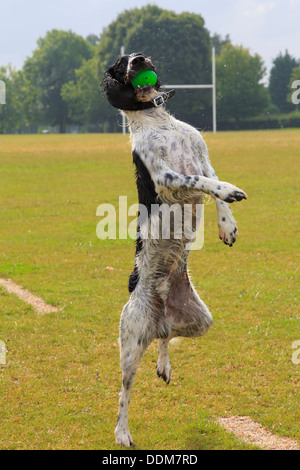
{"x": 177, "y": 147}
{"x": 179, "y": 152}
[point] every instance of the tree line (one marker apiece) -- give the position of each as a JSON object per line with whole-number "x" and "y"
{"x": 59, "y": 86}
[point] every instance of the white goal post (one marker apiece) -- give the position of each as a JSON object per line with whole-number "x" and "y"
{"x": 211, "y": 85}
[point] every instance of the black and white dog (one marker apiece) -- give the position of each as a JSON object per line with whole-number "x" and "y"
{"x": 172, "y": 168}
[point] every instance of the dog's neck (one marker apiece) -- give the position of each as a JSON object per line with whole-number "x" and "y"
{"x": 149, "y": 118}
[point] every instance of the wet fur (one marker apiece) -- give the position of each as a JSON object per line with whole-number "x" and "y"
{"x": 172, "y": 167}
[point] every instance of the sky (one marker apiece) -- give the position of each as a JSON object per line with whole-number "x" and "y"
{"x": 266, "y": 27}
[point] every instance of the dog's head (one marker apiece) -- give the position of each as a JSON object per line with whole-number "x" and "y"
{"x": 117, "y": 83}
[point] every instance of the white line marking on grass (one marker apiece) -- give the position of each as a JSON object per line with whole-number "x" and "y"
{"x": 36, "y": 302}
{"x": 254, "y": 433}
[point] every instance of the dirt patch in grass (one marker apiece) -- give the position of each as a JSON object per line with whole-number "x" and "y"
{"x": 254, "y": 433}
{"x": 36, "y": 302}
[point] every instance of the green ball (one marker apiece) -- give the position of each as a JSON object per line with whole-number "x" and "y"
{"x": 145, "y": 77}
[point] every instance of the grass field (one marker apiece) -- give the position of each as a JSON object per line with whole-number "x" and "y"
{"x": 59, "y": 387}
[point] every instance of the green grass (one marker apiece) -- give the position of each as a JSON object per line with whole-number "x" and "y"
{"x": 59, "y": 388}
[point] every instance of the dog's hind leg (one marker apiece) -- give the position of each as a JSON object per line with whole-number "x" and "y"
{"x": 186, "y": 315}
{"x": 135, "y": 336}
{"x": 163, "y": 367}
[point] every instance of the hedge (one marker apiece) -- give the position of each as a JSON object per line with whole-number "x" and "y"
{"x": 272, "y": 121}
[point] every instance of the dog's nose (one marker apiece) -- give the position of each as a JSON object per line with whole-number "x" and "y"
{"x": 138, "y": 60}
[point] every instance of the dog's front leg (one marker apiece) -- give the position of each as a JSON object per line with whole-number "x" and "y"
{"x": 227, "y": 225}
{"x": 228, "y": 231}
{"x": 223, "y": 193}
{"x": 165, "y": 178}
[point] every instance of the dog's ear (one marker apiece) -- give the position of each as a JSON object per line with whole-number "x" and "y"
{"x": 110, "y": 72}
{"x": 118, "y": 95}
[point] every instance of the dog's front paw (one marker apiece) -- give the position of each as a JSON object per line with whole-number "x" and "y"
{"x": 228, "y": 231}
{"x": 123, "y": 436}
{"x": 229, "y": 193}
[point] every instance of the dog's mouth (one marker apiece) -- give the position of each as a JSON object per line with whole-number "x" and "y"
{"x": 145, "y": 93}
{"x": 120, "y": 90}
{"x": 133, "y": 73}
{"x": 145, "y": 88}
{"x": 138, "y": 64}
{"x": 139, "y": 70}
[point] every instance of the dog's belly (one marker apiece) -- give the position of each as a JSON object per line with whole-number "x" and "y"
{"x": 185, "y": 311}
{"x": 176, "y": 308}
{"x": 165, "y": 239}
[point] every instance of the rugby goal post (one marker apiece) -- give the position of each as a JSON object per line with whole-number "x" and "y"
{"x": 210, "y": 85}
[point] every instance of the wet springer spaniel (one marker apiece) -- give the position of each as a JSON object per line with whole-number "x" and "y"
{"x": 172, "y": 169}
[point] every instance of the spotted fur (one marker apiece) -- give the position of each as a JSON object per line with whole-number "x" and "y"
{"x": 172, "y": 167}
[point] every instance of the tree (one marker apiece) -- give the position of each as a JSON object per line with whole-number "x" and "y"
{"x": 280, "y": 77}
{"x": 240, "y": 93}
{"x": 52, "y": 65}
{"x": 82, "y": 95}
{"x": 93, "y": 39}
{"x": 179, "y": 45}
{"x": 217, "y": 42}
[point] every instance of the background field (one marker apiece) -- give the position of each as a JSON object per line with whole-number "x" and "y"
{"x": 59, "y": 388}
